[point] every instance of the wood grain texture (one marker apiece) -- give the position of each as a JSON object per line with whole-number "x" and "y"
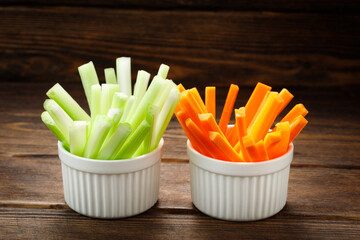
{"x": 47, "y": 44}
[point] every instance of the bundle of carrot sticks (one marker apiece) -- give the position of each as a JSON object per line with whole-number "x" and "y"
{"x": 251, "y": 139}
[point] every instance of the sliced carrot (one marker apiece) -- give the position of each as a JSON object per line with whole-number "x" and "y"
{"x": 297, "y": 110}
{"x": 255, "y": 100}
{"x": 259, "y": 109}
{"x": 210, "y": 100}
{"x": 232, "y": 136}
{"x": 204, "y": 138}
{"x": 194, "y": 92}
{"x": 261, "y": 152}
{"x": 208, "y": 123}
{"x": 197, "y": 145}
{"x": 271, "y": 138}
{"x": 188, "y": 104}
{"x": 296, "y": 126}
{"x": 241, "y": 127}
{"x": 286, "y": 96}
{"x": 250, "y": 148}
{"x": 224, "y": 146}
{"x": 181, "y": 87}
{"x": 265, "y": 118}
{"x": 228, "y": 107}
{"x": 237, "y": 148}
{"x": 279, "y": 148}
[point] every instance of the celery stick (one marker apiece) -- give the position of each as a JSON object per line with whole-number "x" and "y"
{"x": 163, "y": 71}
{"x": 50, "y": 123}
{"x": 119, "y": 100}
{"x": 95, "y": 106}
{"x": 141, "y": 84}
{"x": 77, "y": 136}
{"x": 105, "y": 98}
{"x": 88, "y": 78}
{"x": 123, "y": 72}
{"x": 115, "y": 142}
{"x": 127, "y": 108}
{"x": 98, "y": 132}
{"x": 110, "y": 76}
{"x": 165, "y": 117}
{"x": 115, "y": 114}
{"x": 153, "y": 90}
{"x": 133, "y": 141}
{"x": 71, "y": 107}
{"x": 113, "y": 88}
{"x": 165, "y": 91}
{"x": 62, "y": 120}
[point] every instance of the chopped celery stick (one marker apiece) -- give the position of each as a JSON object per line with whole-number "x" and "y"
{"x": 153, "y": 90}
{"x": 98, "y": 132}
{"x": 141, "y": 84}
{"x": 62, "y": 120}
{"x": 127, "y": 108}
{"x": 134, "y": 141}
{"x": 165, "y": 91}
{"x": 119, "y": 100}
{"x": 165, "y": 116}
{"x": 71, "y": 107}
{"x": 115, "y": 114}
{"x": 163, "y": 71}
{"x": 50, "y": 123}
{"x": 113, "y": 88}
{"x": 151, "y": 117}
{"x": 88, "y": 78}
{"x": 105, "y": 98}
{"x": 110, "y": 76}
{"x": 123, "y": 72}
{"x": 95, "y": 106}
{"x": 77, "y": 136}
{"x": 116, "y": 140}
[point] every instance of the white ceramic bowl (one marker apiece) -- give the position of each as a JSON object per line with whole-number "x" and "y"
{"x": 239, "y": 191}
{"x": 111, "y": 189}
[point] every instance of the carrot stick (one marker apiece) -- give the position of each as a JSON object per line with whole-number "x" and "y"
{"x": 261, "y": 151}
{"x": 286, "y": 97}
{"x": 210, "y": 100}
{"x": 228, "y": 107}
{"x": 181, "y": 88}
{"x": 209, "y": 145}
{"x": 250, "y": 147}
{"x": 241, "y": 127}
{"x": 197, "y": 145}
{"x": 224, "y": 146}
{"x": 188, "y": 104}
{"x": 232, "y": 136}
{"x": 194, "y": 92}
{"x": 279, "y": 148}
{"x": 265, "y": 118}
{"x": 237, "y": 148}
{"x": 271, "y": 138}
{"x": 297, "y": 110}
{"x": 255, "y": 100}
{"x": 296, "y": 126}
{"x": 208, "y": 123}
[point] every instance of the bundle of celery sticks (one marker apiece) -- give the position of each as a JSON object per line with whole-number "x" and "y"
{"x": 122, "y": 124}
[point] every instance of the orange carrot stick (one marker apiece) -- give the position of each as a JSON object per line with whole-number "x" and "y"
{"x": 250, "y": 147}
{"x": 297, "y": 110}
{"x": 255, "y": 100}
{"x": 286, "y": 96}
{"x": 224, "y": 146}
{"x": 279, "y": 148}
{"x": 208, "y": 123}
{"x": 232, "y": 136}
{"x": 228, "y": 107}
{"x": 194, "y": 92}
{"x": 271, "y": 138}
{"x": 265, "y": 118}
{"x": 197, "y": 145}
{"x": 241, "y": 127}
{"x": 261, "y": 152}
{"x": 188, "y": 104}
{"x": 210, "y": 100}
{"x": 203, "y": 137}
{"x": 181, "y": 88}
{"x": 296, "y": 126}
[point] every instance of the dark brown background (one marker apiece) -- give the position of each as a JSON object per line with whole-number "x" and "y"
{"x": 310, "y": 47}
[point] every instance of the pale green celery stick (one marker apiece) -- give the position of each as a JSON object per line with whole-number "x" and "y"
{"x": 151, "y": 117}
{"x": 77, "y": 136}
{"x": 153, "y": 90}
{"x": 88, "y": 78}
{"x": 117, "y": 139}
{"x": 141, "y": 85}
{"x": 50, "y": 123}
{"x": 62, "y": 120}
{"x": 110, "y": 76}
{"x": 95, "y": 106}
{"x": 71, "y": 107}
{"x": 134, "y": 141}
{"x": 165, "y": 91}
{"x": 98, "y": 132}
{"x": 115, "y": 114}
{"x": 119, "y": 100}
{"x": 127, "y": 108}
{"x": 123, "y": 73}
{"x": 165, "y": 116}
{"x": 105, "y": 98}
{"x": 163, "y": 71}
{"x": 113, "y": 88}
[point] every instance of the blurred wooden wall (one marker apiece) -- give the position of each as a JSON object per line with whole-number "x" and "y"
{"x": 282, "y": 43}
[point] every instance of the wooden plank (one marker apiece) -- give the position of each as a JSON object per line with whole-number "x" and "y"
{"x": 166, "y": 224}
{"x": 49, "y": 43}
{"x": 242, "y": 5}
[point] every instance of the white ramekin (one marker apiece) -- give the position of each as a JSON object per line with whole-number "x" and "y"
{"x": 239, "y": 191}
{"x": 111, "y": 189}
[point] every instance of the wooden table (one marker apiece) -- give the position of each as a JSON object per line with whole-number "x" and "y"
{"x": 311, "y": 49}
